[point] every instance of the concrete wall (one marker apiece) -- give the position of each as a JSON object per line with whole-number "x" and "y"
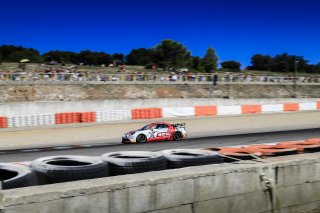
{"x": 31, "y": 108}
{"x": 222, "y": 188}
{"x": 79, "y": 92}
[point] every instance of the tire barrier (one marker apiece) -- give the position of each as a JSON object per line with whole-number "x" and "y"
{"x": 3, "y": 122}
{"x": 16, "y": 176}
{"x": 113, "y": 115}
{"x": 178, "y": 158}
{"x": 88, "y": 117}
{"x": 57, "y": 169}
{"x": 130, "y": 162}
{"x": 68, "y": 118}
{"x": 31, "y": 120}
{"x": 147, "y": 113}
{"x": 150, "y": 113}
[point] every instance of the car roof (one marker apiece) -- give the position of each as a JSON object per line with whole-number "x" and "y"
{"x": 159, "y": 123}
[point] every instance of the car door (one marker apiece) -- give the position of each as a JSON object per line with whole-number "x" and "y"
{"x": 161, "y": 132}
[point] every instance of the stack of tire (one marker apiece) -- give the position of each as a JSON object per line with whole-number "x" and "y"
{"x": 65, "y": 168}
{"x": 57, "y": 169}
{"x": 16, "y": 176}
{"x": 178, "y": 158}
{"x": 130, "y": 162}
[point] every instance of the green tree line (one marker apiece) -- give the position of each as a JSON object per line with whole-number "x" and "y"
{"x": 168, "y": 55}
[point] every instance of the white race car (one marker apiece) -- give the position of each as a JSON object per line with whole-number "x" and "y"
{"x": 160, "y": 131}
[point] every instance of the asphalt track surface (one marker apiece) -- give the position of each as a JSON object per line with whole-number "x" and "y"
{"x": 205, "y": 142}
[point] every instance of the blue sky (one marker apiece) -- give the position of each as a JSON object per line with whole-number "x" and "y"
{"x": 237, "y": 29}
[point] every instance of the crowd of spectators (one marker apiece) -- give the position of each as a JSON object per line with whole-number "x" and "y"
{"x": 121, "y": 74}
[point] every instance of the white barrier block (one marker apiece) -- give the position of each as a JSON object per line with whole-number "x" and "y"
{"x": 272, "y": 108}
{"x": 170, "y": 112}
{"x": 308, "y": 106}
{"x": 99, "y": 115}
{"x": 10, "y": 121}
{"x": 228, "y": 110}
{"x": 113, "y": 115}
{"x": 51, "y": 119}
{"x": 22, "y": 120}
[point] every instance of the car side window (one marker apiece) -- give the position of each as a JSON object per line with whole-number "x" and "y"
{"x": 162, "y": 126}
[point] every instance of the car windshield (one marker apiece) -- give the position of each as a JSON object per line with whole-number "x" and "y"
{"x": 145, "y": 127}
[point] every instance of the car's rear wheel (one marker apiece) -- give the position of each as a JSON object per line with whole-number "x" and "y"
{"x": 177, "y": 136}
{"x": 141, "y": 138}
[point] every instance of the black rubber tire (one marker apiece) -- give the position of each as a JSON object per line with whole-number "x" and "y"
{"x": 57, "y": 169}
{"x": 141, "y": 138}
{"x": 16, "y": 176}
{"x": 177, "y": 136}
{"x": 312, "y": 149}
{"x": 178, "y": 158}
{"x": 130, "y": 162}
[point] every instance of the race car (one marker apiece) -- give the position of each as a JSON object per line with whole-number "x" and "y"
{"x": 160, "y": 131}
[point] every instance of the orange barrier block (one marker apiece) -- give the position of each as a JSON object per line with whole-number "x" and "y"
{"x": 67, "y": 118}
{"x": 289, "y": 107}
{"x": 146, "y": 113}
{"x": 3, "y": 122}
{"x": 302, "y": 146}
{"x": 205, "y": 110}
{"x": 64, "y": 118}
{"x": 242, "y": 153}
{"x": 251, "y": 109}
{"x": 318, "y": 105}
{"x": 277, "y": 149}
{"x": 58, "y": 118}
{"x": 93, "y": 116}
{"x": 76, "y": 117}
{"x": 87, "y": 117}
{"x": 313, "y": 141}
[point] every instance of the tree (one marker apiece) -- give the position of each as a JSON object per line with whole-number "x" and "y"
{"x": 210, "y": 60}
{"x": 172, "y": 54}
{"x": 231, "y": 65}
{"x": 197, "y": 64}
{"x": 280, "y": 63}
{"x": 60, "y": 56}
{"x": 118, "y": 56}
{"x": 12, "y": 53}
{"x": 261, "y": 62}
{"x": 141, "y": 56}
{"x": 286, "y": 63}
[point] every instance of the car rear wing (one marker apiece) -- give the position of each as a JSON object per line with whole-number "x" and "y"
{"x": 182, "y": 125}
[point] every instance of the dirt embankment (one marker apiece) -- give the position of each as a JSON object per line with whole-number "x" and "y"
{"x": 77, "y": 92}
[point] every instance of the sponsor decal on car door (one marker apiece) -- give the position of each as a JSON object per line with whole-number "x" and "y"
{"x": 162, "y": 132}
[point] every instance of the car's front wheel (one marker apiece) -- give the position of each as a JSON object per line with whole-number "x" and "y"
{"x": 141, "y": 138}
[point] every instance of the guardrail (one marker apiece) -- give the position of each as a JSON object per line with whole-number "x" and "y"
{"x": 173, "y": 78}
